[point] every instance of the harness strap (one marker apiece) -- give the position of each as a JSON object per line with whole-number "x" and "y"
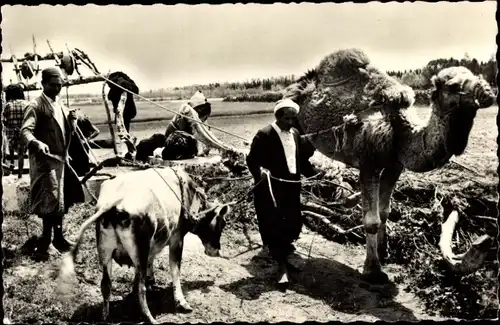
{"x": 181, "y": 185}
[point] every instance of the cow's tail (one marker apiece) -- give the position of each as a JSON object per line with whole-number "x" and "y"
{"x": 67, "y": 275}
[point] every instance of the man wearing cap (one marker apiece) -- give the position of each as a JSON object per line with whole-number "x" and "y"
{"x": 277, "y": 151}
{"x": 46, "y": 130}
{"x": 179, "y": 140}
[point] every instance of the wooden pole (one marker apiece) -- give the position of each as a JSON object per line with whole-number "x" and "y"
{"x": 67, "y": 83}
{"x": 110, "y": 125}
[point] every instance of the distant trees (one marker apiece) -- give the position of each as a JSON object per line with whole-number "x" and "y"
{"x": 421, "y": 78}
{"x": 418, "y": 79}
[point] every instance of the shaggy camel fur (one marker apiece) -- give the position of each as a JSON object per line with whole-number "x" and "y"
{"x": 354, "y": 113}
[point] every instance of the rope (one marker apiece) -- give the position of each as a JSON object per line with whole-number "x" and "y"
{"x": 268, "y": 178}
{"x": 82, "y": 139}
{"x": 204, "y": 211}
{"x": 211, "y": 126}
{"x": 172, "y": 111}
{"x": 290, "y": 181}
{"x": 223, "y": 178}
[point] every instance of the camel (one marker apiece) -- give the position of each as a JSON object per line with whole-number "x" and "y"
{"x": 354, "y": 113}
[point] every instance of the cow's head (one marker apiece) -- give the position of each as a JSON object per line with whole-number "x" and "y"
{"x": 207, "y": 219}
{"x": 209, "y": 227}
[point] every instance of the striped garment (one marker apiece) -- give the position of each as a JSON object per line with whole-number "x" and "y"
{"x": 12, "y": 120}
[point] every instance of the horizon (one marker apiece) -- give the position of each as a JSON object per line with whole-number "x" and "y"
{"x": 194, "y": 46}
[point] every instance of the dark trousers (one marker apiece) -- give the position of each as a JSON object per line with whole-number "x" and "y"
{"x": 280, "y": 226}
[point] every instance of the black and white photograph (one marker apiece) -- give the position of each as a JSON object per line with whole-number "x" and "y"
{"x": 285, "y": 162}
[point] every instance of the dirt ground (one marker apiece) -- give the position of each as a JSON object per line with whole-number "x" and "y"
{"x": 236, "y": 287}
{"x": 241, "y": 288}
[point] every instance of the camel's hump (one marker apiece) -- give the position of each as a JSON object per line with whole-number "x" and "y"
{"x": 343, "y": 83}
{"x": 343, "y": 63}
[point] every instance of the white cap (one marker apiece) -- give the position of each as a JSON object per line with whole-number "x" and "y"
{"x": 286, "y": 103}
{"x": 197, "y": 99}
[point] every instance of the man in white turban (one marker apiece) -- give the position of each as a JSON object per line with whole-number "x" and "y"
{"x": 278, "y": 152}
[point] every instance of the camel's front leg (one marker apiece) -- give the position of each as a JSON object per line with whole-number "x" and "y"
{"x": 370, "y": 182}
{"x": 388, "y": 180}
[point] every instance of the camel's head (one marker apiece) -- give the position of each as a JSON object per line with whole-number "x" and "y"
{"x": 456, "y": 97}
{"x": 458, "y": 87}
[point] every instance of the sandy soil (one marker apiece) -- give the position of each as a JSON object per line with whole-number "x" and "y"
{"x": 236, "y": 287}
{"x": 240, "y": 288}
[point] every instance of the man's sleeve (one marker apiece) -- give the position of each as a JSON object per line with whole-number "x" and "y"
{"x": 256, "y": 155}
{"x": 173, "y": 125}
{"x": 28, "y": 125}
{"x": 306, "y": 151}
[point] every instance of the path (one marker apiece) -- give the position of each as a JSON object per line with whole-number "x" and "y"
{"x": 241, "y": 288}
{"x": 235, "y": 288}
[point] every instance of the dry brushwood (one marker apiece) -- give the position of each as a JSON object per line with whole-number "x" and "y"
{"x": 319, "y": 209}
{"x": 331, "y": 225}
{"x": 418, "y": 206}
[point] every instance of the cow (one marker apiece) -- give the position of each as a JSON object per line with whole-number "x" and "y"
{"x": 140, "y": 213}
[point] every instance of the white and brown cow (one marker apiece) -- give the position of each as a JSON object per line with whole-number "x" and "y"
{"x": 138, "y": 215}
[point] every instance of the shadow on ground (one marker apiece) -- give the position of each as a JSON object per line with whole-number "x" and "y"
{"x": 335, "y": 283}
{"x": 160, "y": 301}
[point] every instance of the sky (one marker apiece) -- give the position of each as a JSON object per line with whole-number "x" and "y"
{"x": 163, "y": 46}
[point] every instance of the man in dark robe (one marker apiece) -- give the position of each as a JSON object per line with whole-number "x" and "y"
{"x": 46, "y": 130}
{"x": 277, "y": 151}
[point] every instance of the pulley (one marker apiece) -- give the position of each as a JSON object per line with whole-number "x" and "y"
{"x": 68, "y": 64}
{"x": 27, "y": 70}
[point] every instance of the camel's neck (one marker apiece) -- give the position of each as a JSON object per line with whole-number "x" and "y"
{"x": 431, "y": 145}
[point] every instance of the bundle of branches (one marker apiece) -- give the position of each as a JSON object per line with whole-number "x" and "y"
{"x": 423, "y": 235}
{"x": 330, "y": 207}
{"x": 224, "y": 185}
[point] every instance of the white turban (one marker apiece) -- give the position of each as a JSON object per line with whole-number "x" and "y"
{"x": 286, "y": 103}
{"x": 197, "y": 99}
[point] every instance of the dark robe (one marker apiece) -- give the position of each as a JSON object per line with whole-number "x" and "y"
{"x": 146, "y": 147}
{"x": 179, "y": 145}
{"x": 78, "y": 152}
{"x": 278, "y": 227}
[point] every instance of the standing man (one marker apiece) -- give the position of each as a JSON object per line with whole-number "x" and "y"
{"x": 277, "y": 152}
{"x": 46, "y": 131}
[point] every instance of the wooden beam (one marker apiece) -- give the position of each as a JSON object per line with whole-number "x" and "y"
{"x": 68, "y": 83}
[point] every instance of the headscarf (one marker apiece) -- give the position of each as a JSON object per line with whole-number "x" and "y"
{"x": 286, "y": 103}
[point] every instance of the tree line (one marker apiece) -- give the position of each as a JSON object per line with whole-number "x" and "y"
{"x": 418, "y": 79}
